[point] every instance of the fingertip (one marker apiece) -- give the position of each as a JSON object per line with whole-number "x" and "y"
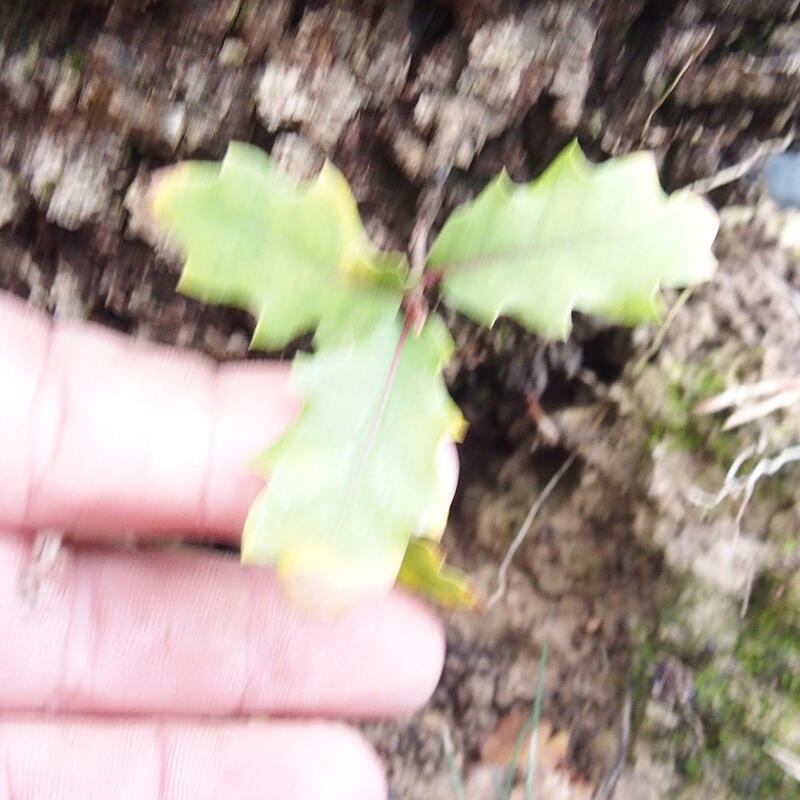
{"x": 117, "y": 616}
{"x": 127, "y": 758}
{"x": 355, "y": 757}
{"x": 304, "y": 760}
{"x": 24, "y": 336}
{"x": 430, "y": 639}
{"x": 103, "y": 433}
{"x": 417, "y": 648}
{"x": 253, "y": 406}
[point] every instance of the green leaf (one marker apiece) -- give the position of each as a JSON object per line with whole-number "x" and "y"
{"x": 356, "y": 476}
{"x": 601, "y": 239}
{"x": 354, "y": 499}
{"x": 296, "y": 256}
{"x": 423, "y": 570}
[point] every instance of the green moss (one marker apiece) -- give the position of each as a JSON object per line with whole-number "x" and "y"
{"x": 505, "y": 333}
{"x": 769, "y": 647}
{"x": 751, "y": 773}
{"x": 701, "y": 435}
{"x": 76, "y": 60}
{"x": 621, "y": 31}
{"x": 754, "y": 37}
{"x": 746, "y": 692}
{"x": 747, "y": 700}
{"x": 693, "y": 768}
{"x": 676, "y": 420}
{"x": 127, "y": 153}
{"x": 734, "y": 715}
{"x": 22, "y": 24}
{"x": 768, "y": 27}
{"x": 643, "y": 661}
{"x": 699, "y": 625}
{"x": 780, "y": 488}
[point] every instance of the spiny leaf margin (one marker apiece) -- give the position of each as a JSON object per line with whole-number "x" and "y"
{"x": 351, "y": 293}
{"x": 295, "y": 255}
{"x": 602, "y": 239}
{"x": 356, "y": 475}
{"x": 424, "y": 571}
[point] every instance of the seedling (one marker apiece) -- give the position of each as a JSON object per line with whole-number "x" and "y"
{"x": 354, "y": 497}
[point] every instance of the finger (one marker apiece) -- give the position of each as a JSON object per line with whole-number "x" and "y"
{"x": 192, "y": 633}
{"x": 102, "y": 433}
{"x": 145, "y": 761}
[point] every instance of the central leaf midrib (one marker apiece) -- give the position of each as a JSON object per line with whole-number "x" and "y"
{"x": 545, "y": 247}
{"x": 376, "y": 417}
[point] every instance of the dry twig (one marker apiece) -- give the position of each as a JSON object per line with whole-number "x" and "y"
{"x": 744, "y": 486}
{"x": 606, "y": 788}
{"x": 693, "y": 56}
{"x": 736, "y": 171}
{"x": 788, "y": 761}
{"x": 502, "y": 572}
{"x": 735, "y": 486}
{"x": 752, "y": 401}
{"x": 658, "y": 339}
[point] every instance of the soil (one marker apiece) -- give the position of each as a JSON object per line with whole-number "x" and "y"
{"x": 635, "y": 588}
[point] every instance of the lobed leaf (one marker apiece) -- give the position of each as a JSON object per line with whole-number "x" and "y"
{"x": 598, "y": 238}
{"x": 354, "y": 500}
{"x": 423, "y": 570}
{"x": 296, "y": 256}
{"x": 356, "y": 476}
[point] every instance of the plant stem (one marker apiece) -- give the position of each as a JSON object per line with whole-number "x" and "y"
{"x": 429, "y": 205}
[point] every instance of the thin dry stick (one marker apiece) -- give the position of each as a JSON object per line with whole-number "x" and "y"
{"x": 735, "y": 171}
{"x": 734, "y": 486}
{"x": 743, "y": 393}
{"x": 788, "y": 761}
{"x": 747, "y": 591}
{"x": 662, "y": 331}
{"x": 452, "y": 767}
{"x": 746, "y": 485}
{"x": 606, "y": 788}
{"x": 502, "y": 573}
{"x": 671, "y": 88}
{"x": 731, "y": 486}
{"x": 429, "y": 205}
{"x": 762, "y": 409}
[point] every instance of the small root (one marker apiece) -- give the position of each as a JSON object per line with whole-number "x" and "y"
{"x": 502, "y": 573}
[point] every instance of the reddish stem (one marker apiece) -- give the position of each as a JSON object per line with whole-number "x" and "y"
{"x": 431, "y": 279}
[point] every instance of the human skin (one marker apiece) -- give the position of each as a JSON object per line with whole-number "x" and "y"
{"x": 158, "y": 671}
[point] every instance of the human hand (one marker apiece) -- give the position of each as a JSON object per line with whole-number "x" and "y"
{"x": 156, "y": 672}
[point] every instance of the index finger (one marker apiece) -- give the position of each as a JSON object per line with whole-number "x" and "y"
{"x": 103, "y": 434}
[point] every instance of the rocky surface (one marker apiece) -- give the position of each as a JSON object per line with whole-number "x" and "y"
{"x": 94, "y": 95}
{"x": 626, "y": 578}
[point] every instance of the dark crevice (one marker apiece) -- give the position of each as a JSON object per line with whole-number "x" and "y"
{"x": 429, "y": 23}
{"x": 607, "y": 353}
{"x": 621, "y": 55}
{"x": 542, "y": 142}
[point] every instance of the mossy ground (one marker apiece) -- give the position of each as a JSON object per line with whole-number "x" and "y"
{"x": 742, "y": 698}
{"x": 745, "y": 668}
